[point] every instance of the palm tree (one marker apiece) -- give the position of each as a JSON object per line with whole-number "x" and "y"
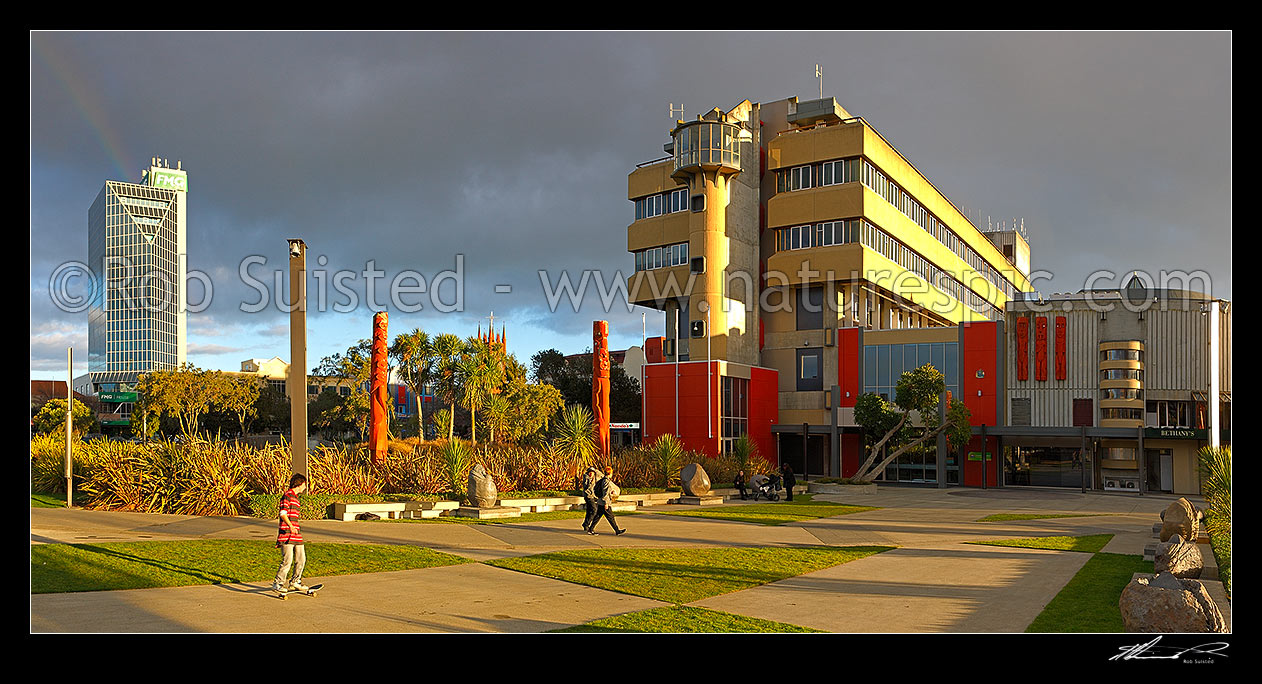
{"x": 575, "y": 437}
{"x": 416, "y": 359}
{"x": 447, "y": 351}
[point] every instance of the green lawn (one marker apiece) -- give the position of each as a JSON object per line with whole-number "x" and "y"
{"x": 683, "y": 575}
{"x": 1004, "y": 517}
{"x": 139, "y": 565}
{"x": 46, "y": 500}
{"x": 1087, "y": 544}
{"x": 525, "y": 518}
{"x": 801, "y": 509}
{"x": 684, "y": 619}
{"x": 1089, "y": 602}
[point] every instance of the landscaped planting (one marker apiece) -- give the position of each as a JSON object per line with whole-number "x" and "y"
{"x": 229, "y": 478}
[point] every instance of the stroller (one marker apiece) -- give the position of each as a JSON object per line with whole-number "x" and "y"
{"x": 766, "y": 486}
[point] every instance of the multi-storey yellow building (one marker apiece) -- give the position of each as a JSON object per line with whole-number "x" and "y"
{"x": 769, "y": 227}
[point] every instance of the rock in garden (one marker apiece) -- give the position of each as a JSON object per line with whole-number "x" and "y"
{"x": 1180, "y": 518}
{"x": 1166, "y": 603}
{"x": 1179, "y": 558}
{"x": 482, "y": 492}
{"x": 694, "y": 480}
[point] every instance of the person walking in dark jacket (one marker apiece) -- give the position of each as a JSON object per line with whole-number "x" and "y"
{"x": 590, "y": 478}
{"x": 606, "y": 492}
{"x": 789, "y": 481}
{"x": 739, "y": 483}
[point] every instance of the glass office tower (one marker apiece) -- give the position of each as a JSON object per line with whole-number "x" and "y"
{"x": 137, "y": 248}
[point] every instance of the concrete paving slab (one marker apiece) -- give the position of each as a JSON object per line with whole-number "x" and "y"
{"x": 946, "y": 588}
{"x": 462, "y": 598}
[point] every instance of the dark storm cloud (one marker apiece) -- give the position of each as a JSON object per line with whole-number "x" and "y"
{"x": 513, "y": 149}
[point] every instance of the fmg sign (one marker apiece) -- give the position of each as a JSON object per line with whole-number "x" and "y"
{"x": 170, "y": 180}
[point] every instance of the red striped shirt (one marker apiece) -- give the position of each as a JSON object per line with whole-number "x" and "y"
{"x": 290, "y": 507}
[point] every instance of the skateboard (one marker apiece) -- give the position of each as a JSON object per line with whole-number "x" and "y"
{"x": 311, "y": 591}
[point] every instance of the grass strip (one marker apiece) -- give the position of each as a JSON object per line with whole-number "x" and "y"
{"x": 684, "y": 619}
{"x": 48, "y": 500}
{"x": 683, "y": 575}
{"x": 1089, "y": 602}
{"x": 1090, "y": 543}
{"x": 525, "y": 518}
{"x": 801, "y": 509}
{"x": 1005, "y": 517}
{"x": 141, "y": 565}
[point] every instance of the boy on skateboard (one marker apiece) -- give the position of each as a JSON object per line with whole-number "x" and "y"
{"x": 289, "y": 539}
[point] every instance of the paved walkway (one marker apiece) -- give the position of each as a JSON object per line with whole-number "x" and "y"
{"x": 932, "y": 583}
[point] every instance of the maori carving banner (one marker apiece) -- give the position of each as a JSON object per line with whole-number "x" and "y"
{"x": 379, "y": 426}
{"x": 600, "y": 384}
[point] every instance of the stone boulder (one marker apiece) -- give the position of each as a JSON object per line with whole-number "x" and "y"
{"x": 1179, "y": 558}
{"x": 1166, "y": 604}
{"x": 481, "y": 492}
{"x": 1180, "y": 518}
{"x": 694, "y": 480}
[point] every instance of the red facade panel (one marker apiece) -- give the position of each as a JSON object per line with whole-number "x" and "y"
{"x": 1061, "y": 362}
{"x": 848, "y": 377}
{"x": 1023, "y": 347}
{"x": 695, "y": 432}
{"x": 1040, "y": 348}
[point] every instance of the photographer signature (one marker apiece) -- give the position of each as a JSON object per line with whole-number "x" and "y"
{"x": 1137, "y": 651}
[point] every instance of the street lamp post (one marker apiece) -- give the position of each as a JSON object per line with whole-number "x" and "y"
{"x": 298, "y": 355}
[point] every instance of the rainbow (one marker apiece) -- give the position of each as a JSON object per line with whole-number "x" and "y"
{"x": 85, "y": 98}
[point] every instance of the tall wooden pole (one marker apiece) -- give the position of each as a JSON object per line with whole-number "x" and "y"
{"x": 297, "y": 383}
{"x": 69, "y": 424}
{"x": 600, "y": 386}
{"x": 379, "y": 423}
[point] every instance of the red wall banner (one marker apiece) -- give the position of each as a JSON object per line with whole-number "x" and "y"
{"x": 1023, "y": 353}
{"x": 1061, "y": 361}
{"x": 1040, "y": 348}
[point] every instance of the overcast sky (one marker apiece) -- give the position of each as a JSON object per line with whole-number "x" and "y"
{"x": 513, "y": 149}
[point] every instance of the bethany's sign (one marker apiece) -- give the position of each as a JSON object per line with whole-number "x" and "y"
{"x": 1175, "y": 433}
{"x": 171, "y": 180}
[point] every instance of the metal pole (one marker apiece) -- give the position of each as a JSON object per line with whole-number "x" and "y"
{"x": 1083, "y": 459}
{"x": 644, "y": 415}
{"x": 709, "y": 380}
{"x": 69, "y": 424}
{"x": 298, "y": 356}
{"x": 676, "y": 371}
{"x": 1142, "y": 462}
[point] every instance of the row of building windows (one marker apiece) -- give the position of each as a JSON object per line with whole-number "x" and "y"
{"x": 661, "y": 257}
{"x": 661, "y": 203}
{"x": 858, "y": 231}
{"x": 1121, "y": 355}
{"x": 857, "y": 169}
{"x": 1121, "y": 374}
{"x": 884, "y": 364}
{"x": 735, "y": 411}
{"x": 1121, "y": 414}
{"x": 707, "y": 143}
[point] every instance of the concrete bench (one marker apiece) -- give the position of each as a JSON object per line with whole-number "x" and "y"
{"x": 394, "y": 510}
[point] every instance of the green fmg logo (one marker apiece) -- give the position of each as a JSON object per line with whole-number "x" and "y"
{"x": 168, "y": 180}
